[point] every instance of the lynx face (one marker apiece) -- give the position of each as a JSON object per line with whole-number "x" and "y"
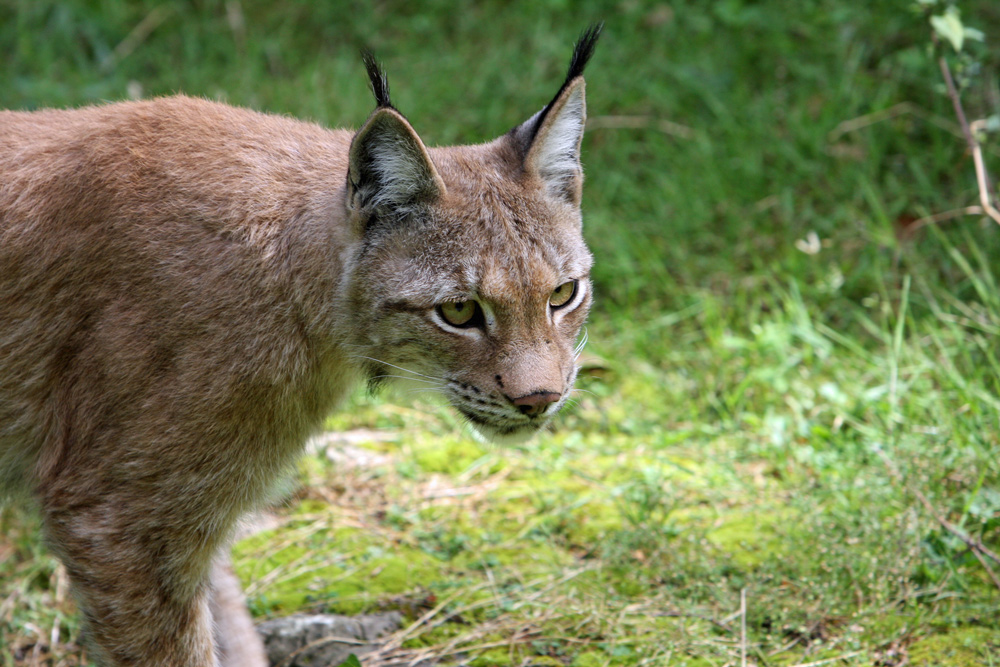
{"x": 480, "y": 301}
{"x": 470, "y": 272}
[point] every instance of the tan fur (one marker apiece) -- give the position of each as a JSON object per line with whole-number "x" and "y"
{"x": 187, "y": 289}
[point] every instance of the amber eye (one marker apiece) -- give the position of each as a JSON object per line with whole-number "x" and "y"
{"x": 563, "y": 294}
{"x": 460, "y": 313}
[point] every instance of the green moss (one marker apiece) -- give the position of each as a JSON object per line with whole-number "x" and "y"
{"x": 405, "y": 571}
{"x": 751, "y": 539}
{"x": 492, "y": 658}
{"x": 961, "y": 647}
{"x": 447, "y": 456}
{"x": 441, "y": 634}
{"x": 309, "y": 573}
{"x": 542, "y": 557}
{"x": 589, "y": 659}
{"x": 886, "y": 624}
{"x": 593, "y": 522}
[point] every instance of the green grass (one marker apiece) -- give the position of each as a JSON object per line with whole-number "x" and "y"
{"x": 757, "y": 418}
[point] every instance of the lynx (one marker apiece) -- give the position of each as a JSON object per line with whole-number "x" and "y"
{"x": 187, "y": 289}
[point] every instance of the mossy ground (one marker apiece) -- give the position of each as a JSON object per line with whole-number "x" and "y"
{"x": 962, "y": 647}
{"x": 783, "y": 366}
{"x": 590, "y": 546}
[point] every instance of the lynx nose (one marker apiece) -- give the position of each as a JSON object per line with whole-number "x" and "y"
{"x": 536, "y": 403}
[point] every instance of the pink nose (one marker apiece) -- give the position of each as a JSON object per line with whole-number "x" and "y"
{"x": 536, "y": 403}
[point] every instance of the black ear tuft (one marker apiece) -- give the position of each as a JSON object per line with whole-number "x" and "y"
{"x": 583, "y": 51}
{"x": 380, "y": 84}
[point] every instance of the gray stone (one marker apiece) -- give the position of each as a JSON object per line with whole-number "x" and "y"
{"x": 324, "y": 640}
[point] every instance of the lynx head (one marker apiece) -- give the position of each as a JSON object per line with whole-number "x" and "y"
{"x": 470, "y": 275}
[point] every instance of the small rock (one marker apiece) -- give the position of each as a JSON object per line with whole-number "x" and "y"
{"x": 324, "y": 640}
{"x": 344, "y": 447}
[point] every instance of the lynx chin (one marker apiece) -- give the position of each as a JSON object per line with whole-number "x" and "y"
{"x": 187, "y": 289}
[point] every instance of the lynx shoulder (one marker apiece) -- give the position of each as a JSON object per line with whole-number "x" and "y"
{"x": 188, "y": 288}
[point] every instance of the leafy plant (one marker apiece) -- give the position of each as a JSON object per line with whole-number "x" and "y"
{"x": 352, "y": 661}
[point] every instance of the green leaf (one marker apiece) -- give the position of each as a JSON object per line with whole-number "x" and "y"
{"x": 352, "y": 661}
{"x": 974, "y": 34}
{"x": 949, "y": 26}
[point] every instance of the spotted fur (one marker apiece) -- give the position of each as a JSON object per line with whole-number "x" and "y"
{"x": 188, "y": 288}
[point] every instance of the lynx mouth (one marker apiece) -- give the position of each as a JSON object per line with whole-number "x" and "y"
{"x": 505, "y": 432}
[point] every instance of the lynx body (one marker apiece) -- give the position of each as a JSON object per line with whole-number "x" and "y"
{"x": 188, "y": 288}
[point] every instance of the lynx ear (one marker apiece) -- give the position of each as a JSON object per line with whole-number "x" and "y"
{"x": 550, "y": 140}
{"x": 554, "y": 152}
{"x": 389, "y": 165}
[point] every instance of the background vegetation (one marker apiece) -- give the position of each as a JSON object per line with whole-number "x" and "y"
{"x": 794, "y": 383}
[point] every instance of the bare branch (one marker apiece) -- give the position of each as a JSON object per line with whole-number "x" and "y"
{"x": 969, "y": 132}
{"x": 895, "y": 111}
{"x": 944, "y": 216}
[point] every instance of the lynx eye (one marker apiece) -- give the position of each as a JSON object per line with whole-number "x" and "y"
{"x": 460, "y": 313}
{"x": 563, "y": 294}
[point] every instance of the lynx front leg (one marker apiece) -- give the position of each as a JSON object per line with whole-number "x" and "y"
{"x": 239, "y": 645}
{"x": 144, "y": 598}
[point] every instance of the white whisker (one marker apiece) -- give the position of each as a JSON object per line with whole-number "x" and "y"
{"x": 426, "y": 390}
{"x": 583, "y": 342}
{"x": 405, "y": 370}
{"x": 409, "y": 378}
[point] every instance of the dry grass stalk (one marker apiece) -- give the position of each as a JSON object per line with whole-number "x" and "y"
{"x": 980, "y": 550}
{"x": 969, "y": 132}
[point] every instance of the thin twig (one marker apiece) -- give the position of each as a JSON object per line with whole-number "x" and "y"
{"x": 351, "y": 641}
{"x": 54, "y": 635}
{"x": 722, "y": 625}
{"x": 137, "y": 36}
{"x": 982, "y": 179}
{"x": 8, "y": 605}
{"x": 978, "y": 548}
{"x": 392, "y": 645}
{"x": 895, "y": 111}
{"x": 743, "y": 627}
{"x": 396, "y": 640}
{"x": 956, "y": 101}
{"x": 982, "y": 561}
{"x": 827, "y": 661}
{"x": 944, "y": 216}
